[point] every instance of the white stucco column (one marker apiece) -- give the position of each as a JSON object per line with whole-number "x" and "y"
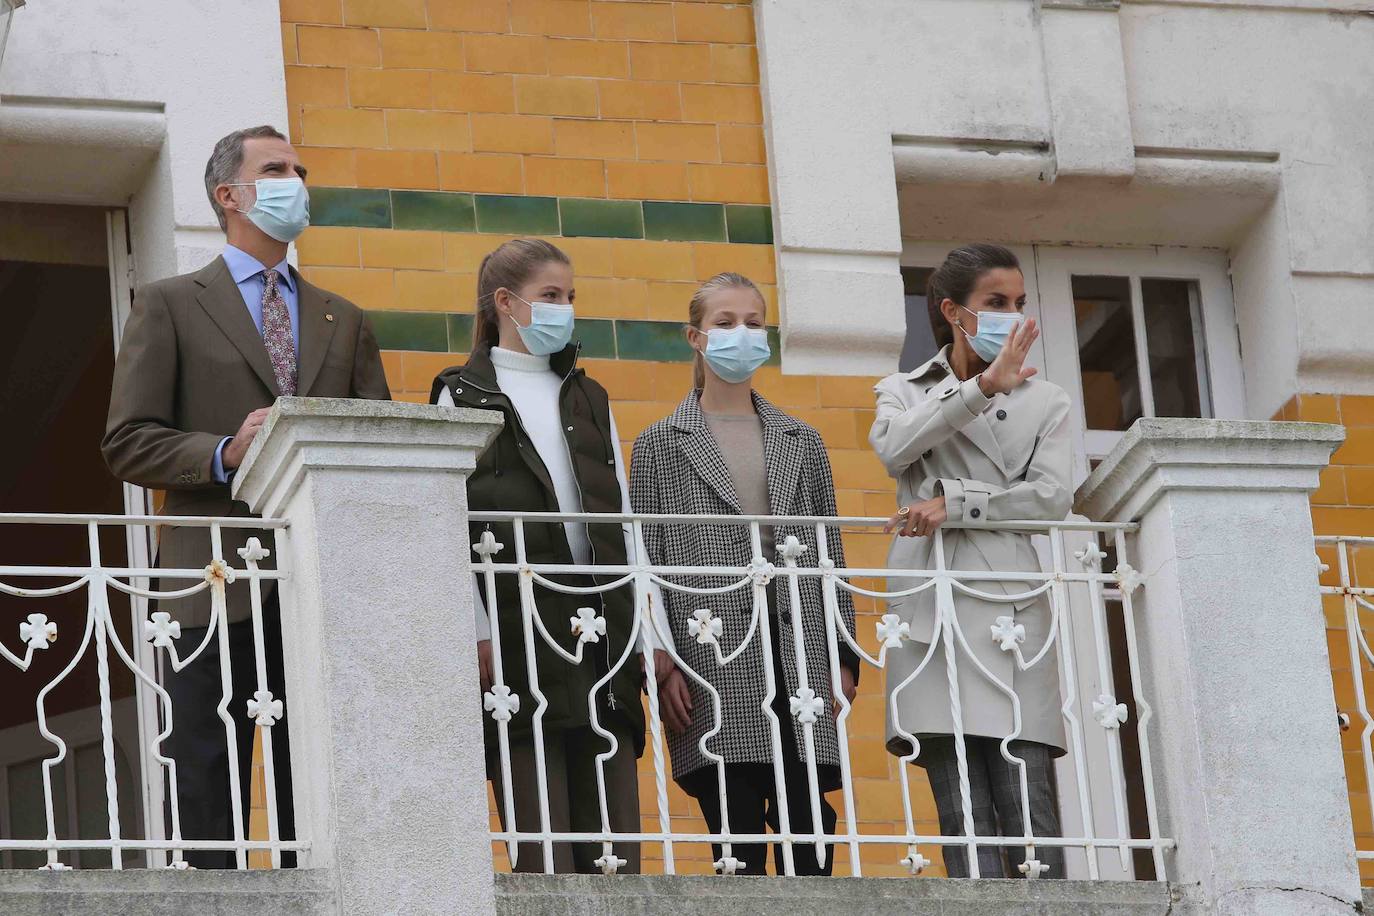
{"x": 380, "y": 648}
{"x": 1247, "y": 755}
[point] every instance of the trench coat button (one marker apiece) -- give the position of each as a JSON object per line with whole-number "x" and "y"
{"x": 975, "y": 512}
{"x": 1001, "y": 414}
{"x": 484, "y": 400}
{"x": 570, "y": 429}
{"x": 929, "y": 452}
{"x": 458, "y": 390}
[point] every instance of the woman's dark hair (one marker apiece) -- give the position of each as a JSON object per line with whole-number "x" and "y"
{"x": 955, "y": 279}
{"x": 508, "y": 267}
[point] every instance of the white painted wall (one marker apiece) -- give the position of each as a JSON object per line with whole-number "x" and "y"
{"x": 1239, "y": 125}
{"x": 119, "y": 104}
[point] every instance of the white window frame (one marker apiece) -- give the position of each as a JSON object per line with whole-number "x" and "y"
{"x": 1049, "y": 272}
{"x": 1220, "y": 379}
{"x": 142, "y": 549}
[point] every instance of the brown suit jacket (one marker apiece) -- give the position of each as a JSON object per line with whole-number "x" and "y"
{"x": 191, "y": 366}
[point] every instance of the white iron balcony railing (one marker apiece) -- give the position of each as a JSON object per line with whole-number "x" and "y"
{"x": 97, "y": 765}
{"x": 1091, "y": 639}
{"x": 1353, "y": 670}
{"x": 126, "y": 800}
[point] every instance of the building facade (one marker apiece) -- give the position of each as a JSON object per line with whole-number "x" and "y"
{"x": 1189, "y": 194}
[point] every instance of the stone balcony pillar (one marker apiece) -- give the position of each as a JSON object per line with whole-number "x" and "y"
{"x": 1245, "y": 746}
{"x": 380, "y": 651}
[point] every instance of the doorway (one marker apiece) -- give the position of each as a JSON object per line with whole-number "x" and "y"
{"x": 59, "y": 312}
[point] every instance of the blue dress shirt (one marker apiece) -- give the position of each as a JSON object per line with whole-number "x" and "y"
{"x": 247, "y": 273}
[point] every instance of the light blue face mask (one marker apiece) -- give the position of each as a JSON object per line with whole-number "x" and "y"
{"x": 282, "y": 209}
{"x": 550, "y": 327}
{"x": 736, "y": 353}
{"x": 993, "y": 330}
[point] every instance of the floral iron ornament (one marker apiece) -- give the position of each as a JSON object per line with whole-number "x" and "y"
{"x": 727, "y": 865}
{"x": 219, "y": 571}
{"x": 1108, "y": 712}
{"x": 501, "y": 703}
{"x": 587, "y": 626}
{"x": 704, "y": 627}
{"x": 264, "y": 708}
{"x": 38, "y": 631}
{"x": 610, "y": 863}
{"x": 1129, "y": 577}
{"x": 487, "y": 547}
{"x": 1091, "y": 556}
{"x": 1008, "y": 633}
{"x": 806, "y": 706}
{"x": 892, "y": 630}
{"x": 161, "y": 630}
{"x": 914, "y": 862}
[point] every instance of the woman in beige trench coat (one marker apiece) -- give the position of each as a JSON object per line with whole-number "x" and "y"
{"x": 970, "y": 437}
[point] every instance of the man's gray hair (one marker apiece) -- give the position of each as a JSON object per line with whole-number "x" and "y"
{"x": 227, "y": 159}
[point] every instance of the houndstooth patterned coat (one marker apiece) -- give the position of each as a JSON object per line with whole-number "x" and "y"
{"x": 677, "y": 469}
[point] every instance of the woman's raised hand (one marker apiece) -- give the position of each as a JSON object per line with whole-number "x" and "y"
{"x": 1008, "y": 370}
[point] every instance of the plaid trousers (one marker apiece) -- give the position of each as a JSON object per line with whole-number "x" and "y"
{"x": 995, "y": 790}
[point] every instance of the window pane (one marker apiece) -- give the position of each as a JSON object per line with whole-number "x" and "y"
{"x": 1106, "y": 351}
{"x": 920, "y": 339}
{"x": 1174, "y": 338}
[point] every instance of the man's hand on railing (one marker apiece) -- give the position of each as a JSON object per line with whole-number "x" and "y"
{"x": 918, "y": 520}
{"x": 846, "y": 686}
{"x": 237, "y": 448}
{"x": 484, "y": 667}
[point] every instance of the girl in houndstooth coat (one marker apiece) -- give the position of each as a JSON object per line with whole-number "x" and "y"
{"x": 727, "y": 451}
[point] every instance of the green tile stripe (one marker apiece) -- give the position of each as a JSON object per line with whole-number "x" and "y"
{"x": 610, "y": 219}
{"x": 510, "y": 214}
{"x": 684, "y": 222}
{"x": 602, "y": 338}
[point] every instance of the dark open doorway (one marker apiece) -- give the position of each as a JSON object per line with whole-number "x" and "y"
{"x": 56, "y": 361}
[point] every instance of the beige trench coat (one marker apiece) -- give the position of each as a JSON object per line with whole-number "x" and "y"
{"x": 995, "y": 459}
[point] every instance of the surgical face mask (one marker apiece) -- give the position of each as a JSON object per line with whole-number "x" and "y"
{"x": 993, "y": 330}
{"x": 550, "y": 327}
{"x": 282, "y": 209}
{"x": 736, "y": 353}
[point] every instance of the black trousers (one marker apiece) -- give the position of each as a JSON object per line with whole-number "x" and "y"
{"x": 751, "y": 794}
{"x": 751, "y": 797}
{"x": 995, "y": 795}
{"x": 199, "y": 745}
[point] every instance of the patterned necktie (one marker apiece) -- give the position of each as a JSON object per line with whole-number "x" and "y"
{"x": 276, "y": 334}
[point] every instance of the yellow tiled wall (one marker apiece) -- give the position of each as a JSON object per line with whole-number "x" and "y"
{"x": 1344, "y": 504}
{"x": 616, "y": 100}
{"x": 626, "y": 100}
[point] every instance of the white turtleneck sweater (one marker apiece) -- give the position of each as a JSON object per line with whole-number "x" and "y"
{"x": 533, "y": 388}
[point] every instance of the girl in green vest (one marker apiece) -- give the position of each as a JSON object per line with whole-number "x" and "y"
{"x": 557, "y": 452}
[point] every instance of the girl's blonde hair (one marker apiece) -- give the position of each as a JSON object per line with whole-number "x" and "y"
{"x": 696, "y": 312}
{"x": 508, "y": 267}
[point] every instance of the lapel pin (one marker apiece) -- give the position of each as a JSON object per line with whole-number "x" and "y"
{"x": 328, "y": 316}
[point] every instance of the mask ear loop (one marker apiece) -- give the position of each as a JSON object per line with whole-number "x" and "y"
{"x": 511, "y": 315}
{"x": 960, "y": 326}
{"x": 245, "y": 184}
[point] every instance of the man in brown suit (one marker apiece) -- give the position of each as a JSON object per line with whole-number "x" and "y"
{"x": 204, "y": 356}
